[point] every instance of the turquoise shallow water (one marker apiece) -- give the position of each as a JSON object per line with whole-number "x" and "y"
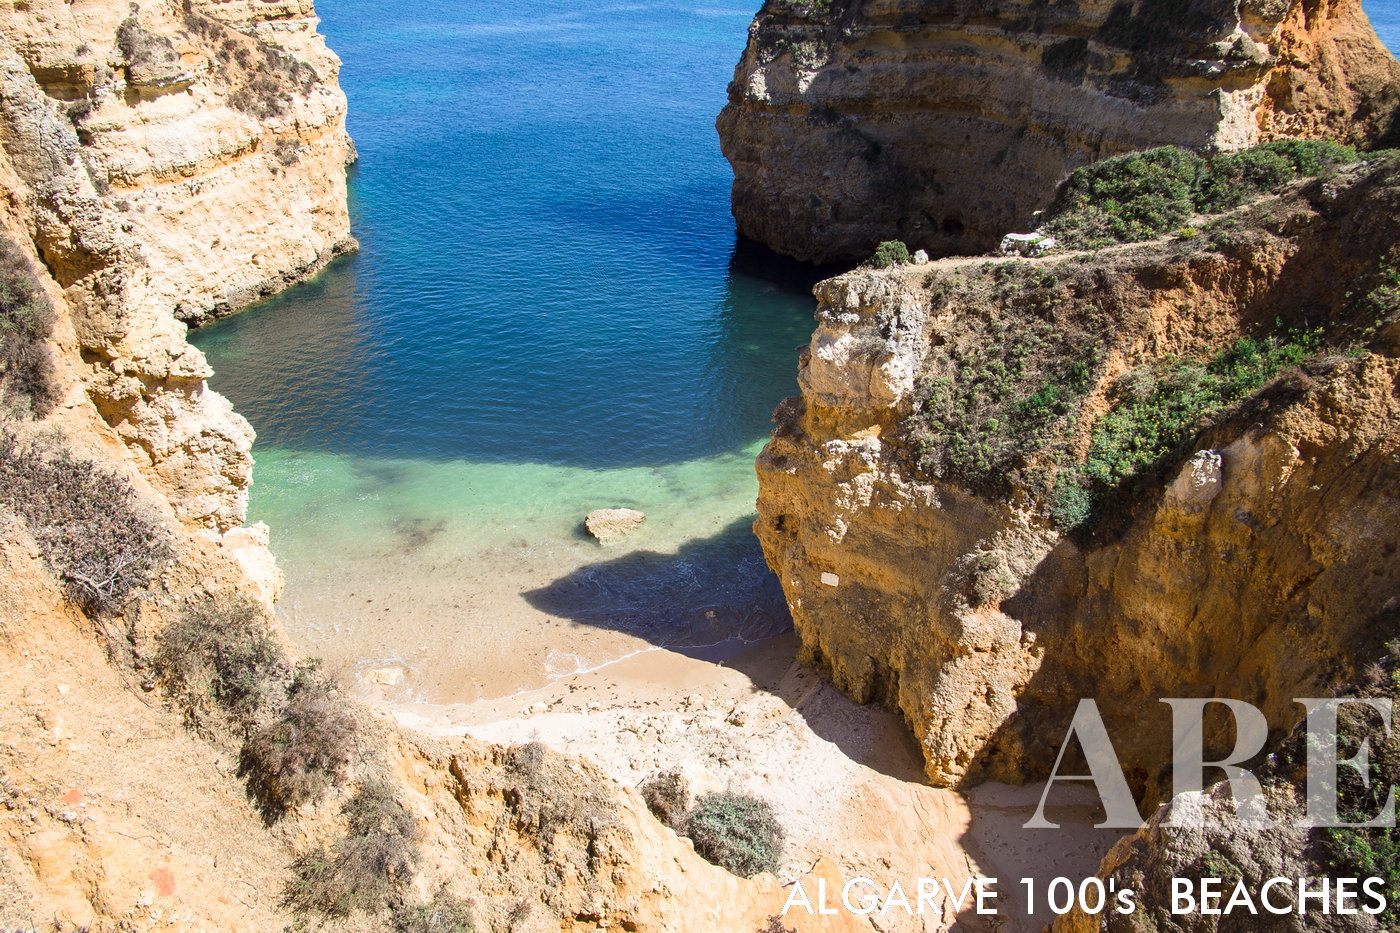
{"x": 548, "y": 315}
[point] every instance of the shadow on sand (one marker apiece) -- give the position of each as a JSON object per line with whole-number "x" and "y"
{"x": 715, "y": 599}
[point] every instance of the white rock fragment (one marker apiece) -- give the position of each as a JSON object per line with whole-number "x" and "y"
{"x": 1027, "y": 244}
{"x": 611, "y": 524}
{"x": 387, "y": 676}
{"x": 1199, "y": 481}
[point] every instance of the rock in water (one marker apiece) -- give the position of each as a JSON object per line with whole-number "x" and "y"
{"x": 611, "y": 524}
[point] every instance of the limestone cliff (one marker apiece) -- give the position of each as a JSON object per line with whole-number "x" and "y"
{"x": 913, "y": 498}
{"x": 947, "y": 123}
{"x": 171, "y": 162}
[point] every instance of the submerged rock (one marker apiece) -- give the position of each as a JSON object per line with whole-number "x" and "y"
{"x": 611, "y": 524}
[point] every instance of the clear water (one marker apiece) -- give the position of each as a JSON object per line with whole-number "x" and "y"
{"x": 548, "y": 315}
{"x": 1385, "y": 16}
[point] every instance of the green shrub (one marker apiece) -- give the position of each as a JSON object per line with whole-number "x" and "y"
{"x": 444, "y": 914}
{"x": 221, "y": 656}
{"x": 87, "y": 522}
{"x": 889, "y": 253}
{"x": 28, "y": 384}
{"x": 363, "y": 871}
{"x": 295, "y": 758}
{"x": 1126, "y": 198}
{"x": 1145, "y": 194}
{"x": 1071, "y": 502}
{"x": 1380, "y": 304}
{"x": 1312, "y": 156}
{"x": 736, "y": 832}
{"x": 1161, "y": 408}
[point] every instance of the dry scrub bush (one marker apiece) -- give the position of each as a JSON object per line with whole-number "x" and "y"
{"x": 222, "y": 665}
{"x": 362, "y": 871}
{"x": 141, "y": 47}
{"x": 28, "y": 385}
{"x": 444, "y": 914}
{"x": 221, "y": 657}
{"x": 90, "y": 528}
{"x": 667, "y": 796}
{"x": 295, "y": 758}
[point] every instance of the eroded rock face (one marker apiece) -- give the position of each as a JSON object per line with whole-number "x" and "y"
{"x": 946, "y": 123}
{"x": 167, "y": 164}
{"x": 1252, "y": 567}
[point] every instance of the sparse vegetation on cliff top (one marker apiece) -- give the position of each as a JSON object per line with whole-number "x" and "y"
{"x": 264, "y": 78}
{"x": 1146, "y": 194}
{"x": 1003, "y": 407}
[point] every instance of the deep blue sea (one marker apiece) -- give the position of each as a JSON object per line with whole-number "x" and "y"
{"x": 1385, "y": 15}
{"x": 547, "y": 315}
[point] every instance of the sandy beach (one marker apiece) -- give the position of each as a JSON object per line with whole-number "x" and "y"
{"x": 845, "y": 779}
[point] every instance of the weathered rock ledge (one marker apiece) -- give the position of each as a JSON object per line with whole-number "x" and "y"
{"x": 170, "y": 164}
{"x": 946, "y": 123}
{"x": 1259, "y": 570}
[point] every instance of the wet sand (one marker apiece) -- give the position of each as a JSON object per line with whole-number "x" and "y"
{"x": 443, "y": 616}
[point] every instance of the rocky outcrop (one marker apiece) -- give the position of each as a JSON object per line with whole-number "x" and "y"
{"x": 946, "y": 123}
{"x": 1254, "y": 559}
{"x": 170, "y": 163}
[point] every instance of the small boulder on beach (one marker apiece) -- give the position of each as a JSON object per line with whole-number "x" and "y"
{"x": 611, "y": 524}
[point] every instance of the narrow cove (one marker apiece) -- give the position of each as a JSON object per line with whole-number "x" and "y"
{"x": 548, "y": 315}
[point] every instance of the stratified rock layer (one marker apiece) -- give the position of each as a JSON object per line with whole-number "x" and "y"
{"x": 1259, "y": 564}
{"x": 171, "y": 162}
{"x": 946, "y": 123}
